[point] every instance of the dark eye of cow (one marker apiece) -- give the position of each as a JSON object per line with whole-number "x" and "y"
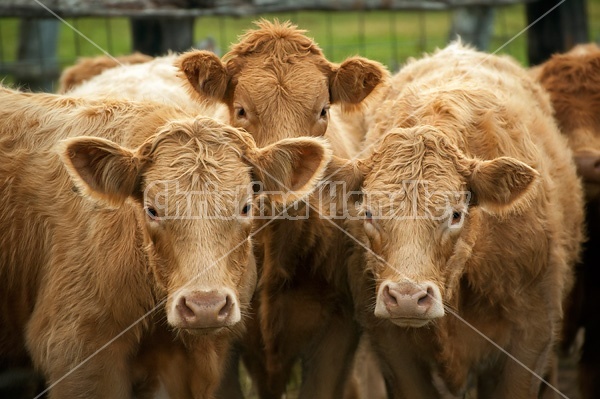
{"x": 246, "y": 209}
{"x": 456, "y": 217}
{"x": 324, "y": 112}
{"x": 368, "y": 215}
{"x": 151, "y": 212}
{"x": 240, "y": 112}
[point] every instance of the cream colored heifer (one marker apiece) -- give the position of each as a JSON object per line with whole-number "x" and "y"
{"x": 470, "y": 223}
{"x": 116, "y": 208}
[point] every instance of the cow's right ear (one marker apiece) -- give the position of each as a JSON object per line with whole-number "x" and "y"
{"x": 205, "y": 73}
{"x": 102, "y": 169}
{"x": 290, "y": 169}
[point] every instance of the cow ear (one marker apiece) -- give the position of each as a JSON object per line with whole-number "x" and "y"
{"x": 502, "y": 184}
{"x": 355, "y": 79}
{"x": 205, "y": 73}
{"x": 345, "y": 178}
{"x": 349, "y": 173}
{"x": 101, "y": 168}
{"x": 290, "y": 169}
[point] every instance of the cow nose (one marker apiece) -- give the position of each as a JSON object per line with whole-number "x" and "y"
{"x": 407, "y": 298}
{"x": 206, "y": 309}
{"x": 409, "y": 302}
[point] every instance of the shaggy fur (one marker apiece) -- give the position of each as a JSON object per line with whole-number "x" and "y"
{"x": 82, "y": 260}
{"x": 573, "y": 82}
{"x": 496, "y": 226}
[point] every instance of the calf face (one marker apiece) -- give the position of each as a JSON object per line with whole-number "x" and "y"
{"x": 420, "y": 211}
{"x": 191, "y": 186}
{"x": 277, "y": 83}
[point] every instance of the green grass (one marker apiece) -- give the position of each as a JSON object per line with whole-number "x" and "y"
{"x": 340, "y": 34}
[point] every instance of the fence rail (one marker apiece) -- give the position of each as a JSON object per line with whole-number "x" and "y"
{"x": 198, "y": 8}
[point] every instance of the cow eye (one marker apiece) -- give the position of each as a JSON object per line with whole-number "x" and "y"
{"x": 240, "y": 112}
{"x": 151, "y": 212}
{"x": 456, "y": 218}
{"x": 246, "y": 209}
{"x": 368, "y": 216}
{"x": 324, "y": 112}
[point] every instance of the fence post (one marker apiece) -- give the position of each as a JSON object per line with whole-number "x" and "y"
{"x": 156, "y": 36}
{"x": 557, "y": 32}
{"x": 37, "y": 65}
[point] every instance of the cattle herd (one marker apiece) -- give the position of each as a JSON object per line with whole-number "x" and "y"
{"x": 426, "y": 234}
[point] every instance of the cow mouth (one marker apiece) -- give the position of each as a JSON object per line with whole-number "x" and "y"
{"x": 197, "y": 331}
{"x": 413, "y": 322}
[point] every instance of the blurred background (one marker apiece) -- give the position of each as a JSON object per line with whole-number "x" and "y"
{"x": 35, "y": 45}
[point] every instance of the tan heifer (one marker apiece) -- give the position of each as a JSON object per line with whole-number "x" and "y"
{"x": 470, "y": 223}
{"x": 276, "y": 83}
{"x": 115, "y": 209}
{"x": 573, "y": 82}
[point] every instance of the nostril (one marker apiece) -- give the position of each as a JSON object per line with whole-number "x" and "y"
{"x": 388, "y": 298}
{"x": 226, "y": 309}
{"x": 427, "y": 298}
{"x": 183, "y": 308}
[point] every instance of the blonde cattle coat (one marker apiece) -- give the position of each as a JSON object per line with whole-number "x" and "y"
{"x": 454, "y": 123}
{"x": 90, "y": 244}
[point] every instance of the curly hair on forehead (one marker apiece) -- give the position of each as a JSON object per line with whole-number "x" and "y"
{"x": 278, "y": 39}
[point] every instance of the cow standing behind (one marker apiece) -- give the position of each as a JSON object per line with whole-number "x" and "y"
{"x": 100, "y": 229}
{"x": 470, "y": 206}
{"x": 573, "y": 83}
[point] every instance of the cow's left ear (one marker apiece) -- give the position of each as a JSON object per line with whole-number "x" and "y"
{"x": 290, "y": 169}
{"x": 101, "y": 168}
{"x": 353, "y": 80}
{"x": 501, "y": 184}
{"x": 205, "y": 73}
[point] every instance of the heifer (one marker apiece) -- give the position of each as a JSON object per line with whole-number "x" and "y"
{"x": 276, "y": 83}
{"x": 573, "y": 83}
{"x": 153, "y": 211}
{"x": 469, "y": 225}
